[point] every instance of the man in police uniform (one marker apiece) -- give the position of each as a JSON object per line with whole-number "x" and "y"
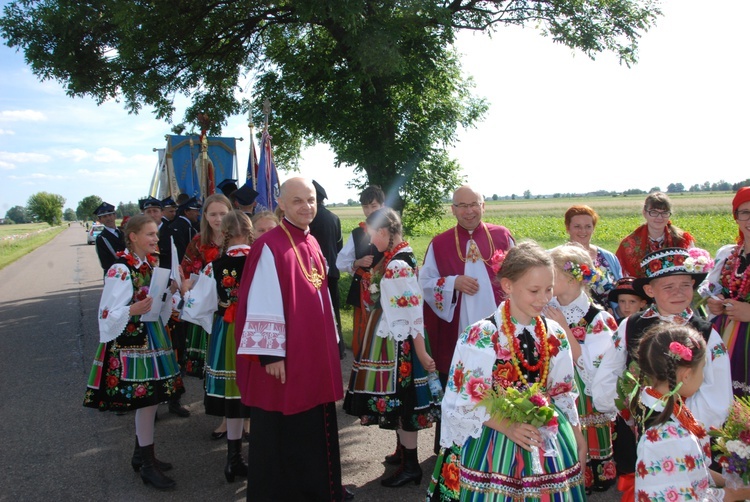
{"x": 183, "y": 228}
{"x": 151, "y": 207}
{"x": 244, "y": 199}
{"x": 227, "y": 186}
{"x": 111, "y": 241}
{"x": 168, "y": 212}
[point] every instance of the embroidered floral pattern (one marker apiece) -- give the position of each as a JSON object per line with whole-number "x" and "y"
{"x": 438, "y": 293}
{"x": 407, "y": 299}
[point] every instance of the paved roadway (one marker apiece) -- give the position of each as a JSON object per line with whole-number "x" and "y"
{"x": 54, "y": 449}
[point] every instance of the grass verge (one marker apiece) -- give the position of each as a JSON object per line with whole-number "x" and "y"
{"x": 12, "y": 249}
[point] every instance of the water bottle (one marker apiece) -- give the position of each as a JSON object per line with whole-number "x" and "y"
{"x": 436, "y": 388}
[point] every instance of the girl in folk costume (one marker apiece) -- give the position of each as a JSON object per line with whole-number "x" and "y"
{"x": 134, "y": 367}
{"x": 657, "y": 233}
{"x": 674, "y": 454}
{"x": 589, "y": 330}
{"x": 727, "y": 288}
{"x": 202, "y": 250}
{"x": 212, "y": 304}
{"x": 389, "y": 381}
{"x": 515, "y": 347}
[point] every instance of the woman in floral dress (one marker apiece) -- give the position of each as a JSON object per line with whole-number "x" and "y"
{"x": 388, "y": 384}
{"x": 729, "y": 282}
{"x": 212, "y": 304}
{"x": 590, "y": 331}
{"x": 203, "y": 249}
{"x": 657, "y": 233}
{"x": 515, "y": 346}
{"x": 580, "y": 223}
{"x": 134, "y": 367}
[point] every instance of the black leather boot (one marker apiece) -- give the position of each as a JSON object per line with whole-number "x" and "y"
{"x": 396, "y": 457}
{"x": 236, "y": 466}
{"x": 410, "y": 470}
{"x": 176, "y": 408}
{"x": 150, "y": 474}
{"x": 137, "y": 461}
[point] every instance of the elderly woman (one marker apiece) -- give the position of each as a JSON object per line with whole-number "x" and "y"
{"x": 727, "y": 288}
{"x": 580, "y": 223}
{"x": 657, "y": 233}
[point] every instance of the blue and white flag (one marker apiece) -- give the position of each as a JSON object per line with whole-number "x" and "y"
{"x": 267, "y": 181}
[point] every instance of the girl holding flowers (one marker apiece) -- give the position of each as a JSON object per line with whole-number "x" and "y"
{"x": 135, "y": 367}
{"x": 673, "y": 455}
{"x": 514, "y": 347}
{"x": 388, "y": 384}
{"x": 589, "y": 330}
{"x": 211, "y": 304}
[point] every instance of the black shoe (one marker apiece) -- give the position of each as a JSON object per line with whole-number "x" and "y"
{"x": 137, "y": 461}
{"x": 218, "y": 435}
{"x": 348, "y": 494}
{"x": 395, "y": 457}
{"x": 236, "y": 465}
{"x": 150, "y": 474}
{"x": 408, "y": 472}
{"x": 177, "y": 409}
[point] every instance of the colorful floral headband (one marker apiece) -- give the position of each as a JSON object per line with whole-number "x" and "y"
{"x": 679, "y": 352}
{"x": 581, "y": 272}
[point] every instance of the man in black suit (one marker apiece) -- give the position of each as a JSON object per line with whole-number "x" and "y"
{"x": 111, "y": 241}
{"x": 183, "y": 228}
{"x": 326, "y": 228}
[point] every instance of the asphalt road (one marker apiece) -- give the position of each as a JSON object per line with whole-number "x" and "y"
{"x": 54, "y": 449}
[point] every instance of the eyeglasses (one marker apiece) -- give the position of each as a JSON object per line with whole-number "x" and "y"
{"x": 658, "y": 214}
{"x": 462, "y": 206}
{"x": 742, "y": 215}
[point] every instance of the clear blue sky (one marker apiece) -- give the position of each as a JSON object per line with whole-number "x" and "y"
{"x": 558, "y": 121}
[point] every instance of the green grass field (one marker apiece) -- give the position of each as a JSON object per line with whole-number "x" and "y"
{"x": 18, "y": 240}
{"x": 706, "y": 216}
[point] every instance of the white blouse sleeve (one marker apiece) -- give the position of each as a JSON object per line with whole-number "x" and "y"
{"x": 346, "y": 257}
{"x": 401, "y": 301}
{"x": 202, "y": 301}
{"x": 614, "y": 360}
{"x": 711, "y": 403}
{"x": 438, "y": 291}
{"x": 469, "y": 376}
{"x": 560, "y": 382}
{"x": 599, "y": 338}
{"x": 114, "y": 306}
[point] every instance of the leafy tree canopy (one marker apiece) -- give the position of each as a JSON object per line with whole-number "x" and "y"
{"x": 18, "y": 214}
{"x": 46, "y": 207}
{"x": 69, "y": 215}
{"x": 377, "y": 80}
{"x": 87, "y": 206}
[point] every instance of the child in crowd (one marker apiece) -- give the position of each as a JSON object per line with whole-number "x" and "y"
{"x": 669, "y": 283}
{"x": 628, "y": 300}
{"x": 357, "y": 257}
{"x": 212, "y": 304}
{"x": 589, "y": 329}
{"x": 389, "y": 381}
{"x": 674, "y": 452}
{"x": 515, "y": 346}
{"x": 263, "y": 222}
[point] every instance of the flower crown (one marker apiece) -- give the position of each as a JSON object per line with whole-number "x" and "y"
{"x": 581, "y": 272}
{"x": 699, "y": 261}
{"x": 496, "y": 260}
{"x": 680, "y": 352}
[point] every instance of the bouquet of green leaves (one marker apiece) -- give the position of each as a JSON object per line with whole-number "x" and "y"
{"x": 733, "y": 444}
{"x": 627, "y": 389}
{"x": 526, "y": 405}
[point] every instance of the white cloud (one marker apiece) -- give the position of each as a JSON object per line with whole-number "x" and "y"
{"x": 22, "y": 157}
{"x": 39, "y": 176}
{"x": 76, "y": 154}
{"x": 6, "y": 165}
{"x": 7, "y": 132}
{"x": 106, "y": 175}
{"x": 109, "y": 156}
{"x": 22, "y": 116}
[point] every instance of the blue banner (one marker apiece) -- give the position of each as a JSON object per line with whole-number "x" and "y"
{"x": 221, "y": 151}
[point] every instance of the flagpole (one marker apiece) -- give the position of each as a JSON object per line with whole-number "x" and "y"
{"x": 250, "y": 126}
{"x": 266, "y": 112}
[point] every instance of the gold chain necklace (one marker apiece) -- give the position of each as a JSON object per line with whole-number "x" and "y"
{"x": 474, "y": 254}
{"x": 314, "y": 277}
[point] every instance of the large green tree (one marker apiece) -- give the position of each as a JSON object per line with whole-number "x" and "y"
{"x": 46, "y": 207}
{"x": 378, "y": 80}
{"x": 18, "y": 214}
{"x": 87, "y": 206}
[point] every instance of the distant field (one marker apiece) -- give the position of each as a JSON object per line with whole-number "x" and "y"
{"x": 706, "y": 216}
{"x": 18, "y": 240}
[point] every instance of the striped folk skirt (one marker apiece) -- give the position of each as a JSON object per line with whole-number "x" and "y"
{"x": 600, "y": 470}
{"x": 222, "y": 394}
